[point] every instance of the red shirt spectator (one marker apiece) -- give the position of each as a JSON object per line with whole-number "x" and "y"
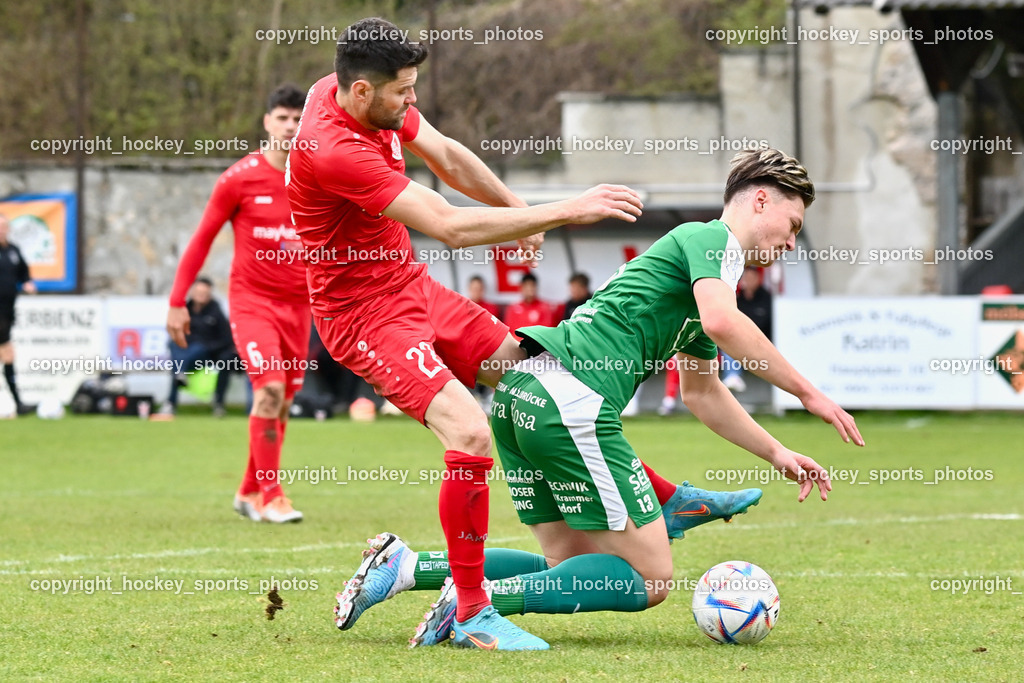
{"x": 475, "y": 293}
{"x": 531, "y": 310}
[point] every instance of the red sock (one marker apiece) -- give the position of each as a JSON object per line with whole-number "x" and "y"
{"x": 464, "y": 508}
{"x": 265, "y": 446}
{"x": 663, "y": 488}
{"x": 249, "y": 482}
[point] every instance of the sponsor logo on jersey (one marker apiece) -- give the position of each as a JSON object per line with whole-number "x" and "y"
{"x": 263, "y": 199}
{"x": 281, "y": 232}
{"x": 396, "y": 147}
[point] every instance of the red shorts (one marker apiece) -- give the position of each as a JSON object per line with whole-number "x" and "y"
{"x": 273, "y": 340}
{"x": 409, "y": 343}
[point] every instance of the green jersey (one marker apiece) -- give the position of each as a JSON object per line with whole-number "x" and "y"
{"x": 645, "y": 313}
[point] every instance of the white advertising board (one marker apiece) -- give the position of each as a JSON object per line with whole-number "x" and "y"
{"x": 880, "y": 353}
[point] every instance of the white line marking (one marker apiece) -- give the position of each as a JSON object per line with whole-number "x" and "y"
{"x": 438, "y": 543}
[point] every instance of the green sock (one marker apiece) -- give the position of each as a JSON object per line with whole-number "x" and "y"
{"x": 585, "y": 583}
{"x": 499, "y": 563}
{"x": 431, "y": 570}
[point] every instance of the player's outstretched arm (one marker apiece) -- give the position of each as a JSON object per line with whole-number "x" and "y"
{"x": 424, "y": 210}
{"x": 740, "y": 338}
{"x": 714, "y": 405}
{"x": 218, "y": 211}
{"x": 462, "y": 170}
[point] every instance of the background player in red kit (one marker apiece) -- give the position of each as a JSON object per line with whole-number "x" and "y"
{"x": 379, "y": 313}
{"x": 270, "y": 318}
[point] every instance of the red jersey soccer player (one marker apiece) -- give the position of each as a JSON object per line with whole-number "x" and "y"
{"x": 380, "y": 314}
{"x": 270, "y": 318}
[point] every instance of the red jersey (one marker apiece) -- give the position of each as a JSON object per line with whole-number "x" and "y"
{"x": 340, "y": 178}
{"x": 525, "y": 314}
{"x": 251, "y": 194}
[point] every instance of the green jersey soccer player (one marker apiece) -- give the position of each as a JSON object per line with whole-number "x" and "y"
{"x": 573, "y": 477}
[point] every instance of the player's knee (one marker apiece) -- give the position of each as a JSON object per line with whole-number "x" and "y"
{"x": 658, "y": 583}
{"x": 268, "y": 400}
{"x": 475, "y": 438}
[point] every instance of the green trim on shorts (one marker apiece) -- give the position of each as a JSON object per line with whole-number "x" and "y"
{"x": 563, "y": 451}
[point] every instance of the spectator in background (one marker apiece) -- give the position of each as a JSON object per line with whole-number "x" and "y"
{"x": 209, "y": 341}
{"x": 13, "y": 275}
{"x": 754, "y": 301}
{"x": 475, "y": 292}
{"x": 530, "y": 310}
{"x": 579, "y": 293}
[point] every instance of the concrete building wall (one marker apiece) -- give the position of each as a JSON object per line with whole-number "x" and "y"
{"x": 867, "y": 125}
{"x": 138, "y": 222}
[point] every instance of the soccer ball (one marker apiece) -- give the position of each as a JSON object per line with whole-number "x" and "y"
{"x": 50, "y": 408}
{"x": 736, "y": 602}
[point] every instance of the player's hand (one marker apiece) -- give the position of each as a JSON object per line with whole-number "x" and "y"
{"x": 178, "y": 325}
{"x": 607, "y": 201}
{"x": 828, "y": 410}
{"x": 804, "y": 471}
{"x": 29, "y": 288}
{"x": 529, "y": 249}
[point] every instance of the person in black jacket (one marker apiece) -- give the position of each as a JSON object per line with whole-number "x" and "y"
{"x": 579, "y": 294}
{"x": 14, "y": 276}
{"x": 209, "y": 342}
{"x": 754, "y": 301}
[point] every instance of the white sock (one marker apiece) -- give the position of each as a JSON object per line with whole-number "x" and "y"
{"x": 406, "y": 569}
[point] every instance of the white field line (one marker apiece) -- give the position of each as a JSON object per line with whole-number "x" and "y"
{"x": 494, "y": 542}
{"x": 197, "y": 552}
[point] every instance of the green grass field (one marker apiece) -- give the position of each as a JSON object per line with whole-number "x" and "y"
{"x": 114, "y": 498}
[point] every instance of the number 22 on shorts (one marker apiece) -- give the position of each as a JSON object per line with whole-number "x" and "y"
{"x": 419, "y": 353}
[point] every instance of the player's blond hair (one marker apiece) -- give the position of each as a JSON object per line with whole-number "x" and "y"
{"x": 769, "y": 167}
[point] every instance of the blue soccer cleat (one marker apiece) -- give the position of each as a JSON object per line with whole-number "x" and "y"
{"x": 488, "y": 630}
{"x": 375, "y": 581}
{"x": 436, "y": 626}
{"x": 690, "y": 507}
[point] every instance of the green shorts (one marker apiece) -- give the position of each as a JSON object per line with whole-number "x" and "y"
{"x": 563, "y": 451}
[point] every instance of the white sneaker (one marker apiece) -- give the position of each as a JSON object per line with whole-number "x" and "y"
{"x": 667, "y": 407}
{"x": 248, "y": 506}
{"x": 280, "y": 511}
{"x": 734, "y": 383}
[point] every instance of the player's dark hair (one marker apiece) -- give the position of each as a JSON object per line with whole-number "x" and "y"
{"x": 761, "y": 167}
{"x": 374, "y": 49}
{"x": 286, "y": 95}
{"x": 203, "y": 280}
{"x": 581, "y": 279}
{"x": 529, "y": 277}
{"x": 476, "y": 278}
